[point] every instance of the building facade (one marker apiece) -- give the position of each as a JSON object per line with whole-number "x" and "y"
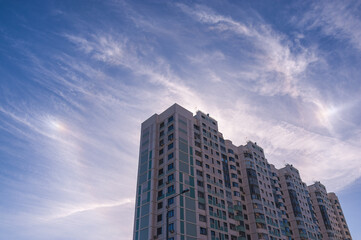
{"x": 329, "y": 213}
{"x": 193, "y": 184}
{"x": 340, "y": 218}
{"x": 298, "y": 206}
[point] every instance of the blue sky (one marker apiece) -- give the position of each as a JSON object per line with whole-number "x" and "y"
{"x": 77, "y": 78}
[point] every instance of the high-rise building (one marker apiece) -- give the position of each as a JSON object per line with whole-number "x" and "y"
{"x": 298, "y": 206}
{"x": 332, "y": 226}
{"x": 193, "y": 184}
{"x": 341, "y": 221}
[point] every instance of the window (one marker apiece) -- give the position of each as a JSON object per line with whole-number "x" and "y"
{"x": 171, "y": 227}
{"x": 201, "y": 206}
{"x": 170, "y": 201}
{"x": 171, "y": 213}
{"x": 199, "y": 163}
{"x": 171, "y": 189}
{"x": 200, "y": 183}
{"x": 203, "y": 231}
{"x": 170, "y": 146}
{"x": 161, "y": 125}
{"x": 160, "y": 171}
{"x": 170, "y": 128}
{"x": 199, "y": 173}
{"x": 161, "y": 133}
{"x": 160, "y": 205}
{"x": 170, "y": 178}
{"x": 161, "y": 151}
{"x": 161, "y": 142}
{"x": 160, "y": 193}
{"x": 202, "y": 218}
{"x": 170, "y": 156}
{"x": 159, "y": 231}
{"x": 197, "y": 153}
{"x": 160, "y": 182}
{"x": 159, "y": 217}
{"x": 200, "y": 194}
{"x": 170, "y": 137}
{"x": 170, "y": 166}
{"x": 170, "y": 119}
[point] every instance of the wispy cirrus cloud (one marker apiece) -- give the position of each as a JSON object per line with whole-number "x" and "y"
{"x": 278, "y": 63}
{"x": 68, "y": 211}
{"x": 338, "y": 19}
{"x": 136, "y": 58}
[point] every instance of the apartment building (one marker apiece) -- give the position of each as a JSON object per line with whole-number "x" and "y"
{"x": 329, "y": 219}
{"x": 341, "y": 221}
{"x": 300, "y": 213}
{"x": 194, "y": 184}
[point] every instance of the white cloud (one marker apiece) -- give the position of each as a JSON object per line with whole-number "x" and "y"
{"x": 339, "y": 19}
{"x": 277, "y": 69}
{"x": 70, "y": 210}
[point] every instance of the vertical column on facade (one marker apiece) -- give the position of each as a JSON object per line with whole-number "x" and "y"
{"x": 144, "y": 212}
{"x": 233, "y": 182}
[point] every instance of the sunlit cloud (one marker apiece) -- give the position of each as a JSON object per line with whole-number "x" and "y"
{"x": 66, "y": 212}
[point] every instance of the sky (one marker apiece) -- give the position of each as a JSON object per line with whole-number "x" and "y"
{"x": 77, "y": 79}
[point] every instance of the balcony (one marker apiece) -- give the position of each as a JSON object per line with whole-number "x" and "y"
{"x": 241, "y": 238}
{"x": 303, "y": 235}
{"x": 239, "y": 218}
{"x": 260, "y": 220}
{"x": 237, "y": 207}
{"x": 240, "y": 228}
